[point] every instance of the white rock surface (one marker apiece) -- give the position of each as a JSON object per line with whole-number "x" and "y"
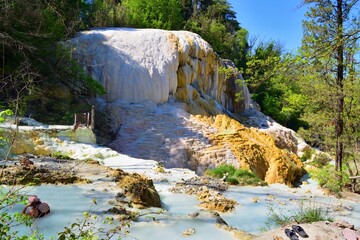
{"x": 284, "y": 137}
{"x": 137, "y": 65}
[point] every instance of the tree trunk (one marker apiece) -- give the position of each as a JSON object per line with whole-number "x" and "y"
{"x": 340, "y": 84}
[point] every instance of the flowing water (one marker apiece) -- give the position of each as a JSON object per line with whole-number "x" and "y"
{"x": 69, "y": 202}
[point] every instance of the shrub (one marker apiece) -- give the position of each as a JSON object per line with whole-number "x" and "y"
{"x": 320, "y": 160}
{"x": 220, "y": 171}
{"x": 330, "y": 179}
{"x": 59, "y": 155}
{"x": 308, "y": 152}
{"x": 235, "y": 176}
{"x": 232, "y": 180}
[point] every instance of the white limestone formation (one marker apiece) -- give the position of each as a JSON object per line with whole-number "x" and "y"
{"x": 137, "y": 65}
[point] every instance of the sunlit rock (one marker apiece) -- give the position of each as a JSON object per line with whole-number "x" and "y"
{"x": 137, "y": 65}
{"x": 139, "y": 189}
{"x": 44, "y": 141}
{"x": 285, "y": 138}
{"x": 255, "y": 151}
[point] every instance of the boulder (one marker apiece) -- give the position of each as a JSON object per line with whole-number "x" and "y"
{"x": 139, "y": 189}
{"x": 215, "y": 201}
{"x": 209, "y": 193}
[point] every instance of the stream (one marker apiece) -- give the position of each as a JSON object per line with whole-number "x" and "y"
{"x": 69, "y": 202}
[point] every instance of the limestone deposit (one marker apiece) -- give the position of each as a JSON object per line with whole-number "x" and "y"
{"x": 254, "y": 150}
{"x": 44, "y": 140}
{"x": 167, "y": 100}
{"x": 142, "y": 68}
{"x": 137, "y": 65}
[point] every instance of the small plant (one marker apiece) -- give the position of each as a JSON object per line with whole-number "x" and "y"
{"x": 59, "y": 155}
{"x": 221, "y": 171}
{"x": 235, "y": 176}
{"x": 308, "y": 152}
{"x": 306, "y": 213}
{"x": 232, "y": 180}
{"x": 320, "y": 160}
{"x": 160, "y": 168}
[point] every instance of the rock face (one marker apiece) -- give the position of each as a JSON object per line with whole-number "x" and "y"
{"x": 285, "y": 138}
{"x": 137, "y": 65}
{"x": 254, "y": 150}
{"x": 173, "y": 137}
{"x": 144, "y": 68}
{"x": 209, "y": 193}
{"x": 140, "y": 190}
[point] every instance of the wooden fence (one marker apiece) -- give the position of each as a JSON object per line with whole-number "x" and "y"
{"x": 86, "y": 119}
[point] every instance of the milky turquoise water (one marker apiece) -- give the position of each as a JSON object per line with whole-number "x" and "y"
{"x": 68, "y": 203}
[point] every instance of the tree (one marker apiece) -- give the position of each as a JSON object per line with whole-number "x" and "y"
{"x": 331, "y": 31}
{"x": 271, "y": 77}
{"x": 164, "y": 14}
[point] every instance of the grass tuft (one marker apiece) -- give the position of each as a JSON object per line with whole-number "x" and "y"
{"x": 306, "y": 213}
{"x": 235, "y": 176}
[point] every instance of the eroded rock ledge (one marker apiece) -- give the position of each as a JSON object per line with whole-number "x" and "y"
{"x": 133, "y": 189}
{"x": 209, "y": 193}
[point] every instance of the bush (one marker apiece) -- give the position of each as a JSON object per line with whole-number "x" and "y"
{"x": 308, "y": 152}
{"x": 330, "y": 179}
{"x": 232, "y": 180}
{"x": 320, "y": 160}
{"x": 235, "y": 176}
{"x": 220, "y": 171}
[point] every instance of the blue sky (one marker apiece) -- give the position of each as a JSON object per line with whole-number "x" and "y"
{"x": 278, "y": 20}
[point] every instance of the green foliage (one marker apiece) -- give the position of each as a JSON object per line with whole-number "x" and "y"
{"x": 271, "y": 78}
{"x": 215, "y": 21}
{"x": 307, "y": 154}
{"x": 4, "y": 141}
{"x": 220, "y": 171}
{"x": 330, "y": 179}
{"x": 320, "y": 160}
{"x": 163, "y": 14}
{"x": 5, "y": 113}
{"x": 106, "y": 13}
{"x": 32, "y": 61}
{"x": 330, "y": 47}
{"x": 65, "y": 89}
{"x": 9, "y": 197}
{"x": 59, "y": 155}
{"x": 307, "y": 212}
{"x": 235, "y": 176}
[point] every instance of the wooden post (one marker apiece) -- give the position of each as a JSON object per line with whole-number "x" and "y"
{"x": 92, "y": 126}
{"x": 75, "y": 119}
{"x": 87, "y": 119}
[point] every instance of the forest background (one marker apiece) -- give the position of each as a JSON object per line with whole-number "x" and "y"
{"x": 315, "y": 91}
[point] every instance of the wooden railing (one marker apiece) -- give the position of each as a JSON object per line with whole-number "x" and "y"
{"x": 86, "y": 119}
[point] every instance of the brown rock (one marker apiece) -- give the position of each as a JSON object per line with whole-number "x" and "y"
{"x": 139, "y": 189}
{"x": 20, "y": 175}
